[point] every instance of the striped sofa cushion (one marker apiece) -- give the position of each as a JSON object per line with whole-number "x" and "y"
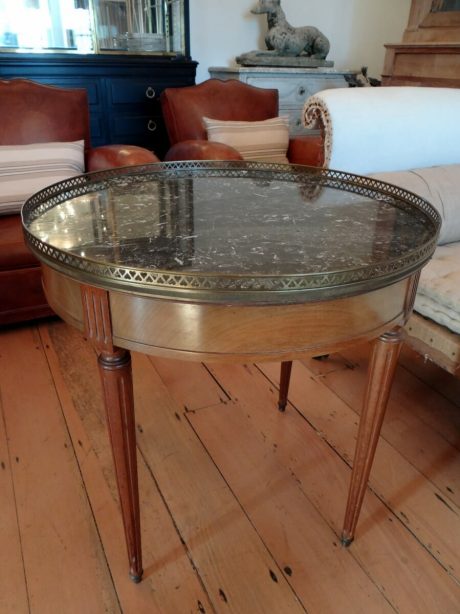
{"x": 265, "y": 141}
{"x": 26, "y": 169}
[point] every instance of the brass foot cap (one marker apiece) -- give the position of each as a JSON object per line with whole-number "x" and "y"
{"x": 136, "y": 578}
{"x": 346, "y": 541}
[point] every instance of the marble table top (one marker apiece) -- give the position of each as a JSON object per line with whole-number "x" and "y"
{"x": 228, "y": 231}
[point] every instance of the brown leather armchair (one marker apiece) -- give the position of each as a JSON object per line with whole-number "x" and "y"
{"x": 35, "y": 113}
{"x": 184, "y": 108}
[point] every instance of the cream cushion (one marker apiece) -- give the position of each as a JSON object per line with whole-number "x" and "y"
{"x": 440, "y": 186}
{"x": 438, "y": 294}
{"x": 266, "y": 141}
{"x": 26, "y": 169}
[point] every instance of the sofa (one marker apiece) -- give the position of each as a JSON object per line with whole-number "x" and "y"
{"x": 44, "y": 137}
{"x": 408, "y": 136}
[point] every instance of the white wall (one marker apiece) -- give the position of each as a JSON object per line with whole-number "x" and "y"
{"x": 222, "y": 29}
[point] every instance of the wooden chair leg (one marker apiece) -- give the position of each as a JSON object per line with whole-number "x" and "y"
{"x": 381, "y": 372}
{"x": 115, "y": 370}
{"x": 285, "y": 378}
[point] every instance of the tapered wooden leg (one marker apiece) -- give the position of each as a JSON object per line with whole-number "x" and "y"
{"x": 381, "y": 371}
{"x": 285, "y": 378}
{"x": 115, "y": 370}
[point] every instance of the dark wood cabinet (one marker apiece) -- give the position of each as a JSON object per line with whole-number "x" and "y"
{"x": 123, "y": 90}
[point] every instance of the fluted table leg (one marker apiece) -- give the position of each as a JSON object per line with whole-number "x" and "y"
{"x": 115, "y": 370}
{"x": 381, "y": 372}
{"x": 117, "y": 385}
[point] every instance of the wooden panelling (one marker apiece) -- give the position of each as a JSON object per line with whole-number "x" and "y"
{"x": 435, "y": 65}
{"x": 429, "y": 54}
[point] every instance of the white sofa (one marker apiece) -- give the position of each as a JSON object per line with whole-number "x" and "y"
{"x": 408, "y": 136}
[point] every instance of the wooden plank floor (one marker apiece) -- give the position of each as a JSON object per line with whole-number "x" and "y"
{"x": 241, "y": 506}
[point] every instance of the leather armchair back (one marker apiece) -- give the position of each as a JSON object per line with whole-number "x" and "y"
{"x": 34, "y": 113}
{"x": 184, "y": 107}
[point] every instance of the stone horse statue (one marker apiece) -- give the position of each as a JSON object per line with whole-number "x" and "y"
{"x": 284, "y": 40}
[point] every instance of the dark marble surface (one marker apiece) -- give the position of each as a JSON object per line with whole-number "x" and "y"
{"x": 231, "y": 226}
{"x": 227, "y": 226}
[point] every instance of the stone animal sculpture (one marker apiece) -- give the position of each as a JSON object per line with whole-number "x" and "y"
{"x": 284, "y": 39}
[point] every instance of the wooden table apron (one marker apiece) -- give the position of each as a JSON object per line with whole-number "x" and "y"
{"x": 118, "y": 321}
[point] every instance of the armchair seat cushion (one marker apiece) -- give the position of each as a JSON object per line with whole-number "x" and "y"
{"x": 438, "y": 295}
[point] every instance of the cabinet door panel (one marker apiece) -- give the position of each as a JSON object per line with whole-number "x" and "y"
{"x": 97, "y": 129}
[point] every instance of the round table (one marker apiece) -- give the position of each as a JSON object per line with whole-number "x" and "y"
{"x": 231, "y": 261}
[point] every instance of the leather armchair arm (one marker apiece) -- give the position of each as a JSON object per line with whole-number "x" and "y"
{"x": 306, "y": 150}
{"x": 201, "y": 150}
{"x": 112, "y": 156}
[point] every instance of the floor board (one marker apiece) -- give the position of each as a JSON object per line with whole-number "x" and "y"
{"x": 405, "y": 489}
{"x": 329, "y": 578}
{"x": 241, "y": 505}
{"x": 13, "y": 590}
{"x": 170, "y": 582}
{"x": 55, "y": 519}
{"x": 384, "y": 546}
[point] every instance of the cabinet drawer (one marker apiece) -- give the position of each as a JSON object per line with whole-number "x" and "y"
{"x": 144, "y": 130}
{"x": 296, "y": 127}
{"x": 123, "y": 125}
{"x": 296, "y": 91}
{"x": 133, "y": 91}
{"x": 295, "y": 121}
{"x": 290, "y": 90}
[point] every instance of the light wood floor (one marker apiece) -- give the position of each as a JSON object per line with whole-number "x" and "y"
{"x": 241, "y": 505}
